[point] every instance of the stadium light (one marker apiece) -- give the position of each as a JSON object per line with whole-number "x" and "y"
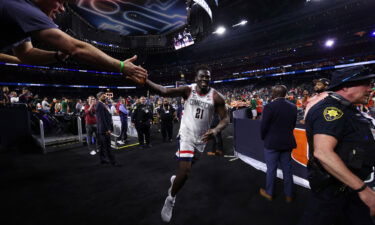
{"x": 220, "y": 30}
{"x": 243, "y": 22}
{"x": 373, "y": 33}
{"x": 329, "y": 43}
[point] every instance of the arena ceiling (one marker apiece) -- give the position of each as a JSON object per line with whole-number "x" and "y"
{"x": 155, "y": 17}
{"x": 133, "y": 17}
{"x": 232, "y": 11}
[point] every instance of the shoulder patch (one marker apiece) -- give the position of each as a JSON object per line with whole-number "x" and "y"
{"x": 332, "y": 113}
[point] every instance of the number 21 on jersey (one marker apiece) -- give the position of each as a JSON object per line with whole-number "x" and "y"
{"x": 199, "y": 113}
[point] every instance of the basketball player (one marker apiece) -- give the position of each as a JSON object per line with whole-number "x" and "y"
{"x": 201, "y": 102}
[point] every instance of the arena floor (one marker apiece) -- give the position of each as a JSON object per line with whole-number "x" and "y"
{"x": 70, "y": 187}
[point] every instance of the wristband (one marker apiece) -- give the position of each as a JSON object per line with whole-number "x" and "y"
{"x": 361, "y": 188}
{"x": 122, "y": 66}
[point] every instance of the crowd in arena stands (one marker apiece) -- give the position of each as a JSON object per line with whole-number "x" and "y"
{"x": 245, "y": 67}
{"x": 252, "y": 96}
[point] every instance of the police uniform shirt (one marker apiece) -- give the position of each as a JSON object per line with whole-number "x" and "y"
{"x": 166, "y": 113}
{"x": 142, "y": 113}
{"x": 346, "y": 124}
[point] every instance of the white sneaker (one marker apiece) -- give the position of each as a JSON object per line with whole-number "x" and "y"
{"x": 170, "y": 188}
{"x": 166, "y": 212}
{"x": 93, "y": 152}
{"x": 120, "y": 142}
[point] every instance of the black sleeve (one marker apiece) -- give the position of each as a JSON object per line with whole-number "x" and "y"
{"x": 265, "y": 122}
{"x": 134, "y": 114}
{"x": 328, "y": 120}
{"x": 107, "y": 121}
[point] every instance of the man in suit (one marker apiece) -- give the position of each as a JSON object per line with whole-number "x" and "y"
{"x": 105, "y": 128}
{"x": 277, "y": 125}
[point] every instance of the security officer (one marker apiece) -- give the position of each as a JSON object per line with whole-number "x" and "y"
{"x": 141, "y": 119}
{"x": 342, "y": 153}
{"x": 166, "y": 114}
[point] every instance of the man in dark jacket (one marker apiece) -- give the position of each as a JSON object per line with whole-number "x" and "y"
{"x": 105, "y": 128}
{"x": 166, "y": 114}
{"x": 141, "y": 119}
{"x": 278, "y": 122}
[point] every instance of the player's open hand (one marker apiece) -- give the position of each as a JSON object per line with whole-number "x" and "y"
{"x": 208, "y": 135}
{"x": 133, "y": 72}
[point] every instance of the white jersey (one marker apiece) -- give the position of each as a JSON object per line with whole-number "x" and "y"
{"x": 197, "y": 115}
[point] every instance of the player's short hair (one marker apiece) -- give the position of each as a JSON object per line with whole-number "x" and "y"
{"x": 201, "y": 67}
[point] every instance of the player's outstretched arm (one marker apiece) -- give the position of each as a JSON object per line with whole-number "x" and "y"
{"x": 183, "y": 91}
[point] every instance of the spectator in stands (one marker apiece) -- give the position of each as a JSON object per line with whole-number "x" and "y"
{"x": 45, "y": 105}
{"x": 112, "y": 108}
{"x": 64, "y": 105}
{"x": 13, "y": 97}
{"x": 2, "y": 101}
{"x": 5, "y": 95}
{"x": 26, "y": 20}
{"x": 90, "y": 122}
{"x": 277, "y": 125}
{"x": 58, "y": 107}
{"x": 253, "y": 106}
{"x": 320, "y": 87}
{"x": 105, "y": 128}
{"x": 118, "y": 103}
{"x": 259, "y": 107}
{"x": 24, "y": 96}
{"x": 35, "y": 100}
{"x": 79, "y": 106}
{"x": 71, "y": 105}
{"x": 123, "y": 112}
{"x": 53, "y": 104}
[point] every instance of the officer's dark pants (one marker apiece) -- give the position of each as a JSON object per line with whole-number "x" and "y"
{"x": 124, "y": 129}
{"x": 328, "y": 208}
{"x": 143, "y": 131}
{"x": 167, "y": 129}
{"x": 105, "y": 152}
